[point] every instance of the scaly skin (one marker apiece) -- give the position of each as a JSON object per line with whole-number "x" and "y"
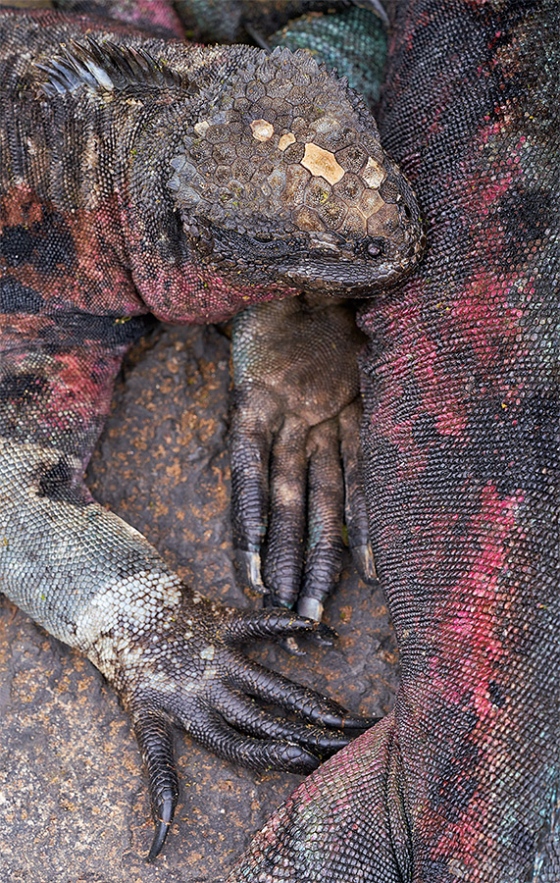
{"x": 297, "y": 565}
{"x": 352, "y": 42}
{"x": 240, "y": 21}
{"x": 156, "y": 19}
{"x": 145, "y": 178}
{"x": 461, "y": 781}
{"x": 295, "y": 449}
{"x": 297, "y": 491}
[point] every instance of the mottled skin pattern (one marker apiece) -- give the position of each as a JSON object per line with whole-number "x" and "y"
{"x": 461, "y": 781}
{"x": 159, "y": 18}
{"x": 297, "y": 492}
{"x": 207, "y": 21}
{"x": 352, "y": 42}
{"x": 296, "y": 481}
{"x": 144, "y": 178}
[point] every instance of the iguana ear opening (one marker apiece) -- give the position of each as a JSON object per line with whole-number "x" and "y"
{"x": 102, "y": 66}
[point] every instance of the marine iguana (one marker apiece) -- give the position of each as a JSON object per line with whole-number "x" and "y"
{"x": 461, "y": 780}
{"x": 141, "y": 178}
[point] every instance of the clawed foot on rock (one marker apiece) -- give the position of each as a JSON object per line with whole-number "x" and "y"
{"x": 190, "y": 671}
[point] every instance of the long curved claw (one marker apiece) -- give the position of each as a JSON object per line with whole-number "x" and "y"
{"x": 249, "y": 563}
{"x": 212, "y": 730}
{"x": 269, "y": 686}
{"x": 359, "y": 722}
{"x": 155, "y": 739}
{"x": 245, "y": 714}
{"x": 325, "y": 635}
{"x": 162, "y": 826}
{"x": 363, "y": 558}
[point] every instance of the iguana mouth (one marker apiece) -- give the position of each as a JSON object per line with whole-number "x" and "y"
{"x": 323, "y": 245}
{"x": 349, "y": 276}
{"x": 317, "y": 261}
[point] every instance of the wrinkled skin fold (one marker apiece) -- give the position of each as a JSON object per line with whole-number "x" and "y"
{"x": 460, "y": 439}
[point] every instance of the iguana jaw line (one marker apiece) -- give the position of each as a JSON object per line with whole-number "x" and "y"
{"x": 345, "y": 277}
{"x": 320, "y": 262}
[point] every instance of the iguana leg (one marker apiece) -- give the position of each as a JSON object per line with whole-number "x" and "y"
{"x": 295, "y": 448}
{"x": 97, "y": 584}
{"x": 346, "y": 822}
{"x": 159, "y": 18}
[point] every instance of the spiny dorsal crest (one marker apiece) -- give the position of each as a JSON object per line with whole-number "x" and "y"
{"x": 108, "y": 67}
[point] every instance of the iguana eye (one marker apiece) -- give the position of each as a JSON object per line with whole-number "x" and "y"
{"x": 373, "y": 248}
{"x": 262, "y": 237}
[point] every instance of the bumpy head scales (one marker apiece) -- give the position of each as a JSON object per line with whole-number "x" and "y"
{"x": 283, "y": 172}
{"x": 274, "y": 165}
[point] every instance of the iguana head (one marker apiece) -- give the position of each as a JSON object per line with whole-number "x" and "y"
{"x": 259, "y": 172}
{"x": 281, "y": 176}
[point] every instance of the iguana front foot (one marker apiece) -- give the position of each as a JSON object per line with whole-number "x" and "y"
{"x": 295, "y": 449}
{"x": 182, "y": 664}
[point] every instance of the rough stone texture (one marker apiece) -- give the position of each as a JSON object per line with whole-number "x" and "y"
{"x": 73, "y": 803}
